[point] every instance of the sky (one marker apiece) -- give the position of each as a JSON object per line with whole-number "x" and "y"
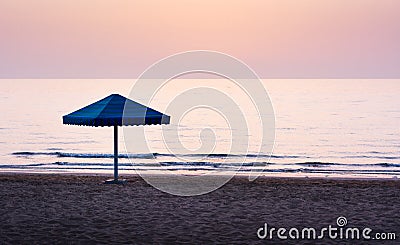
{"x": 276, "y": 38}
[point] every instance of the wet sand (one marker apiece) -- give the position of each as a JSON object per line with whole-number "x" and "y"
{"x": 54, "y": 209}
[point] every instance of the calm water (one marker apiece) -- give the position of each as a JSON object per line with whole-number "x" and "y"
{"x": 323, "y": 128}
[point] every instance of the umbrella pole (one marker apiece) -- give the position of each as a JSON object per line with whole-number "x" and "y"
{"x": 115, "y": 180}
{"x": 116, "y": 152}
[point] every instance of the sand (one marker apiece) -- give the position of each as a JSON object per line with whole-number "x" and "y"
{"x": 82, "y": 210}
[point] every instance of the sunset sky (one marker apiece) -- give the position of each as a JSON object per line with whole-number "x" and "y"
{"x": 277, "y": 38}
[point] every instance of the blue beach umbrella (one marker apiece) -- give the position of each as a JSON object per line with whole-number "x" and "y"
{"x": 115, "y": 110}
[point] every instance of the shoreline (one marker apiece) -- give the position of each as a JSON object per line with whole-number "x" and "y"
{"x": 238, "y": 175}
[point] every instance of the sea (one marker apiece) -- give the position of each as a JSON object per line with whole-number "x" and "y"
{"x": 326, "y": 128}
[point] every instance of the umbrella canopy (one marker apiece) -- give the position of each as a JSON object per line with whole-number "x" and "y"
{"x": 115, "y": 110}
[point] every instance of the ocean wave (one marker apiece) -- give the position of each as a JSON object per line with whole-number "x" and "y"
{"x": 230, "y": 160}
{"x": 352, "y": 171}
{"x": 23, "y": 165}
{"x": 152, "y": 155}
{"x": 83, "y": 155}
{"x": 318, "y": 164}
{"x": 389, "y": 164}
{"x": 323, "y": 164}
{"x": 221, "y": 155}
{"x": 215, "y": 165}
{"x": 166, "y": 164}
{"x": 207, "y": 166}
{"x": 230, "y": 164}
{"x": 374, "y": 157}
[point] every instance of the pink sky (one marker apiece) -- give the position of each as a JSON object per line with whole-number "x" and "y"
{"x": 277, "y": 38}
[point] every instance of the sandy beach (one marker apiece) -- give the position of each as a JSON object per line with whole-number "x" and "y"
{"x": 81, "y": 209}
